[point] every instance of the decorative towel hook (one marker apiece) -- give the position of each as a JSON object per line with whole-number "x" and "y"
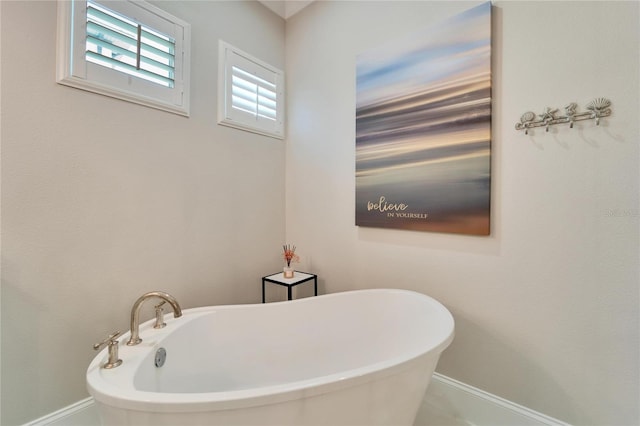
{"x": 598, "y": 108}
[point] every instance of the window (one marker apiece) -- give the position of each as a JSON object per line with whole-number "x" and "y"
{"x": 125, "y": 49}
{"x": 251, "y": 93}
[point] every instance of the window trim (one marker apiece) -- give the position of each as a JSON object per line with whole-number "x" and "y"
{"x": 226, "y": 117}
{"x": 71, "y": 61}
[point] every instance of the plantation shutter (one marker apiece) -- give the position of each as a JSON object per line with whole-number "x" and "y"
{"x": 116, "y": 41}
{"x": 253, "y": 94}
{"x": 126, "y": 49}
{"x": 254, "y": 99}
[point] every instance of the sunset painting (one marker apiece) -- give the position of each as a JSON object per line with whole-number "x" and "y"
{"x": 423, "y": 129}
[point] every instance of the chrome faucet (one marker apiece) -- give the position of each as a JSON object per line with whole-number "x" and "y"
{"x": 135, "y": 313}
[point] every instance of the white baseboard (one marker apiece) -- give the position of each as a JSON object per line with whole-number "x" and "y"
{"x": 447, "y": 402}
{"x": 81, "y": 413}
{"x": 453, "y": 403}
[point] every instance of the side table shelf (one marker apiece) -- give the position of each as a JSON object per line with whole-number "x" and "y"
{"x": 298, "y": 278}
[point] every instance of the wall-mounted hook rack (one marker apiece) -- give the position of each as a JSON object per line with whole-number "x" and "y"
{"x": 597, "y": 108}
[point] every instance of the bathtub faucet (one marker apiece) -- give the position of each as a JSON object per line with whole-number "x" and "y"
{"x": 135, "y": 312}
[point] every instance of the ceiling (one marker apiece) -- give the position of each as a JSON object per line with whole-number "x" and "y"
{"x": 286, "y": 8}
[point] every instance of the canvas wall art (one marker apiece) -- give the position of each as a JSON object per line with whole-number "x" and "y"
{"x": 423, "y": 129}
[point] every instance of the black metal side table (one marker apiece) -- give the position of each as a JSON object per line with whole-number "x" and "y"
{"x": 298, "y": 278}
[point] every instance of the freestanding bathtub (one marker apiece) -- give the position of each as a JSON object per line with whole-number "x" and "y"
{"x": 361, "y": 357}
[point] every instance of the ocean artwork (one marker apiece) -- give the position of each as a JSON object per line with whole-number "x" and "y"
{"x": 423, "y": 129}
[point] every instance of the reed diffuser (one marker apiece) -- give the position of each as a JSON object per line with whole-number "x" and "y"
{"x": 289, "y": 256}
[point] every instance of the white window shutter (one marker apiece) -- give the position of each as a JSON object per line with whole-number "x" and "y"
{"x": 117, "y": 42}
{"x": 145, "y": 60}
{"x": 252, "y": 95}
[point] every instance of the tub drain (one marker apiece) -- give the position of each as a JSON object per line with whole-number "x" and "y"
{"x": 161, "y": 357}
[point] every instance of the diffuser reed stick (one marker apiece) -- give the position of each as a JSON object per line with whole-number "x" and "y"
{"x": 290, "y": 254}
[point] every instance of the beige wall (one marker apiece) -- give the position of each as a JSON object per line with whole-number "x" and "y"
{"x": 546, "y": 307}
{"x": 103, "y": 200}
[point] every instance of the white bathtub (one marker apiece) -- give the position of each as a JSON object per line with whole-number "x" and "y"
{"x": 354, "y": 358}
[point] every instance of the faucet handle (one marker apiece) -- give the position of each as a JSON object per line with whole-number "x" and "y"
{"x": 160, "y": 316}
{"x": 110, "y": 341}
